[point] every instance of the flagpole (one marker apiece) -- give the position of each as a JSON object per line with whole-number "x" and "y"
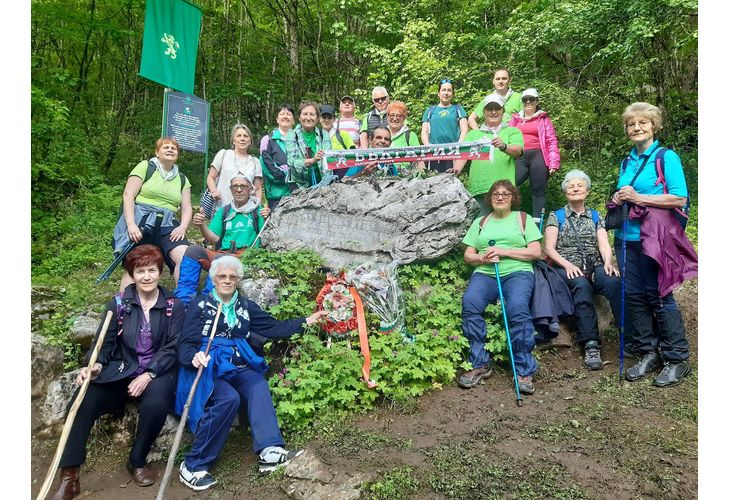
{"x": 164, "y": 111}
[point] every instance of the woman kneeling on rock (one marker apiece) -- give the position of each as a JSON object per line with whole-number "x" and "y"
{"x": 135, "y": 363}
{"x": 233, "y": 377}
{"x": 510, "y": 238}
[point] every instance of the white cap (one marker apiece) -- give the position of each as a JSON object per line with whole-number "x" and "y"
{"x": 494, "y": 98}
{"x": 530, "y": 93}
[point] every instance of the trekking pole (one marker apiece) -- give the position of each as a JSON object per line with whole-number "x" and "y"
{"x": 262, "y": 230}
{"x": 184, "y": 416}
{"x": 74, "y": 409}
{"x": 625, "y": 228}
{"x": 506, "y": 328}
{"x": 117, "y": 260}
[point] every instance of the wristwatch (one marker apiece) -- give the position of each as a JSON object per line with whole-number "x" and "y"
{"x": 503, "y": 148}
{"x": 152, "y": 374}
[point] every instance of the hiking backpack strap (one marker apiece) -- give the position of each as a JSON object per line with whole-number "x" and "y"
{"x": 594, "y": 217}
{"x": 226, "y": 210}
{"x": 560, "y": 216}
{"x": 682, "y": 214}
{"x": 522, "y": 219}
{"x": 151, "y": 170}
{"x": 408, "y": 137}
{"x": 338, "y": 136}
{"x": 169, "y": 306}
{"x": 430, "y": 113}
{"x": 255, "y": 215}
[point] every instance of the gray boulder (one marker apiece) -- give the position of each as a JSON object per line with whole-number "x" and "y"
{"x": 47, "y": 364}
{"x": 308, "y": 478}
{"x": 84, "y": 328}
{"x": 261, "y": 290}
{"x": 357, "y": 220}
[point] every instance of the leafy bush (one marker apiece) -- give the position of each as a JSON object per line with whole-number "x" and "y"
{"x": 313, "y": 379}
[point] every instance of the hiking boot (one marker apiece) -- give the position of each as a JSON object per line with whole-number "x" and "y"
{"x": 648, "y": 363}
{"x": 630, "y": 352}
{"x": 70, "y": 486}
{"x": 525, "y": 384}
{"x": 473, "y": 377}
{"x": 274, "y": 457}
{"x": 198, "y": 481}
{"x": 672, "y": 373}
{"x": 592, "y": 358}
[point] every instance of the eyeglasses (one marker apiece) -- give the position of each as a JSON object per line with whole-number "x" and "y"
{"x": 640, "y": 123}
{"x": 529, "y": 99}
{"x": 498, "y": 196}
{"x": 380, "y": 100}
{"x": 240, "y": 187}
{"x": 495, "y": 107}
{"x": 395, "y": 116}
{"x": 446, "y": 80}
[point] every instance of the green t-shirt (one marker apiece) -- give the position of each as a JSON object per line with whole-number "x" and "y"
{"x": 483, "y": 173}
{"x": 512, "y": 105}
{"x": 239, "y": 228}
{"x": 311, "y": 139}
{"x": 157, "y": 191}
{"x": 399, "y": 141}
{"x": 506, "y": 233}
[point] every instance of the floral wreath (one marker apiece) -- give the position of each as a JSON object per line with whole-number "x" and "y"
{"x": 336, "y": 299}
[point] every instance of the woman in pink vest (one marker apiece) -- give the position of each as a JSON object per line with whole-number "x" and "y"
{"x": 541, "y": 157}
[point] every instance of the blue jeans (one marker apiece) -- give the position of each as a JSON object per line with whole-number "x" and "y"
{"x": 645, "y": 304}
{"x": 244, "y": 387}
{"x": 481, "y": 291}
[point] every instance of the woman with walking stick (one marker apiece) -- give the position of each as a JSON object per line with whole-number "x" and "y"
{"x": 233, "y": 375}
{"x": 516, "y": 244}
{"x": 653, "y": 252}
{"x": 136, "y": 363}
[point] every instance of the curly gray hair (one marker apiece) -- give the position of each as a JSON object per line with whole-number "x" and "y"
{"x": 226, "y": 262}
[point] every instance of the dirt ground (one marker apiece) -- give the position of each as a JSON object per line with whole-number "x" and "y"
{"x": 582, "y": 434}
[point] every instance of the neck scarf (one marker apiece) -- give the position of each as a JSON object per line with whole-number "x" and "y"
{"x": 229, "y": 309}
{"x": 166, "y": 176}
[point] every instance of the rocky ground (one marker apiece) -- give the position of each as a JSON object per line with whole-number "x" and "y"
{"x": 581, "y": 435}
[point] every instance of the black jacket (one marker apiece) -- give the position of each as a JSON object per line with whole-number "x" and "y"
{"x": 118, "y": 354}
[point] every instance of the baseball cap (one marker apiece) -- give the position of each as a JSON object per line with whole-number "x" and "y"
{"x": 327, "y": 110}
{"x": 530, "y": 93}
{"x": 494, "y": 98}
{"x": 348, "y": 97}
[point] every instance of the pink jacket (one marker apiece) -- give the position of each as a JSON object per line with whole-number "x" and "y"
{"x": 545, "y": 134}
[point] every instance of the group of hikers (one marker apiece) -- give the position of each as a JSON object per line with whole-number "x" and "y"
{"x": 156, "y": 339}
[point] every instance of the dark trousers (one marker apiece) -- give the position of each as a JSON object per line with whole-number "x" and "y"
{"x": 481, "y": 291}
{"x": 440, "y": 166}
{"x": 240, "y": 387}
{"x": 646, "y": 306}
{"x": 583, "y": 290}
{"x": 154, "y": 404}
{"x": 273, "y": 202}
{"x": 532, "y": 164}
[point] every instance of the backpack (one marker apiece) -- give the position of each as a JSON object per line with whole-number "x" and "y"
{"x": 681, "y": 214}
{"x": 226, "y": 211}
{"x": 560, "y": 215}
{"x": 151, "y": 170}
{"x": 522, "y": 219}
{"x": 122, "y": 308}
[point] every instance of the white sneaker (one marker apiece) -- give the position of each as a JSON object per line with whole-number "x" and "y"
{"x": 274, "y": 457}
{"x": 198, "y": 481}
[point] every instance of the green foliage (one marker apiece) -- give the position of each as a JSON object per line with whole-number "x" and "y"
{"x": 314, "y": 379}
{"x": 394, "y": 485}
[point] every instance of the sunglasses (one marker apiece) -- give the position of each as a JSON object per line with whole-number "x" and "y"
{"x": 380, "y": 99}
{"x": 529, "y": 99}
{"x": 446, "y": 80}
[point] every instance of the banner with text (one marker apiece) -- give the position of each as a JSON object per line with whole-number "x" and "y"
{"x": 346, "y": 158}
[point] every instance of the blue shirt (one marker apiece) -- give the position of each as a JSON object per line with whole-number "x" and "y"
{"x": 647, "y": 182}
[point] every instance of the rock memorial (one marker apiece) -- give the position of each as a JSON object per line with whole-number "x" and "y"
{"x": 357, "y": 220}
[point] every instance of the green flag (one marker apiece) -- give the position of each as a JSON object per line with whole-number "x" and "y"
{"x": 170, "y": 44}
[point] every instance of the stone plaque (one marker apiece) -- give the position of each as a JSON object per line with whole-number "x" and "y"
{"x": 356, "y": 220}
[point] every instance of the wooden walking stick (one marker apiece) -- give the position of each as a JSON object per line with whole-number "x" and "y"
{"x": 72, "y": 412}
{"x": 184, "y": 416}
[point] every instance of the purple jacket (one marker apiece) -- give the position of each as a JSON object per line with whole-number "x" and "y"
{"x": 545, "y": 134}
{"x": 664, "y": 240}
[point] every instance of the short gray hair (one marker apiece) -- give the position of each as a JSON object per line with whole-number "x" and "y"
{"x": 238, "y": 126}
{"x": 226, "y": 262}
{"x": 379, "y": 89}
{"x": 575, "y": 174}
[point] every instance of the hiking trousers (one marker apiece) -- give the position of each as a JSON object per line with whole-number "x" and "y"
{"x": 532, "y": 165}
